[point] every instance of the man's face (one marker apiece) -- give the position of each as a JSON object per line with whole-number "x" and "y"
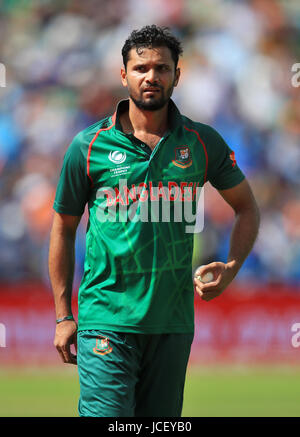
{"x": 150, "y": 77}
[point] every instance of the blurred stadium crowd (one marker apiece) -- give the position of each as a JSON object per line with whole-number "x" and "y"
{"x": 63, "y": 61}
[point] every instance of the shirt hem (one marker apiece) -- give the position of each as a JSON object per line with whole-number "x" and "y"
{"x": 179, "y": 329}
{"x": 229, "y": 184}
{"x": 64, "y": 210}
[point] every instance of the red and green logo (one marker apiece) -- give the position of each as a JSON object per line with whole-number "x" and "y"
{"x": 232, "y": 157}
{"x": 183, "y": 157}
{"x": 102, "y": 346}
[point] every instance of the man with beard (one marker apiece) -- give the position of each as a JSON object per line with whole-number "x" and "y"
{"x": 136, "y": 298}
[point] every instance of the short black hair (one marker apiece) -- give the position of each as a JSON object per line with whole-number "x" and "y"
{"x": 152, "y": 36}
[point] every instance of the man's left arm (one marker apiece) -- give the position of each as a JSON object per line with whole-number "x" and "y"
{"x": 243, "y": 236}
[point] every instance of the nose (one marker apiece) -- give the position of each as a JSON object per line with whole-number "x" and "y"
{"x": 152, "y": 77}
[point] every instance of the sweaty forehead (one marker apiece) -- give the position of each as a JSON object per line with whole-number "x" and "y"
{"x": 150, "y": 54}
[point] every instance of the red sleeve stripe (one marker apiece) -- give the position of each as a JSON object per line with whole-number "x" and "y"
{"x": 113, "y": 119}
{"x": 204, "y": 148}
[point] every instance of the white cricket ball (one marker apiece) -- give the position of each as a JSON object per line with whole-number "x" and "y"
{"x": 208, "y": 277}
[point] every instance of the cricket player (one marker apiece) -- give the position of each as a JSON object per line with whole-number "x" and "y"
{"x": 139, "y": 171}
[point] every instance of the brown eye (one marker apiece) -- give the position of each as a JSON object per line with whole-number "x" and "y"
{"x": 163, "y": 68}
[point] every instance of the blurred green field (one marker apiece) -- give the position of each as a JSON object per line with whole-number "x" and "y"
{"x": 210, "y": 392}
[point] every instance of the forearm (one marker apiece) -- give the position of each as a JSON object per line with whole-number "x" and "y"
{"x": 61, "y": 270}
{"x": 243, "y": 236}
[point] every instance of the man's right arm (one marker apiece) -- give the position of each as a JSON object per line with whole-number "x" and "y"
{"x": 61, "y": 271}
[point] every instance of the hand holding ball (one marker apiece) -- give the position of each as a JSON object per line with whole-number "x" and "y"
{"x": 210, "y": 280}
{"x": 207, "y": 277}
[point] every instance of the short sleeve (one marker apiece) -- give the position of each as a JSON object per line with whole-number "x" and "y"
{"x": 223, "y": 170}
{"x": 73, "y": 185}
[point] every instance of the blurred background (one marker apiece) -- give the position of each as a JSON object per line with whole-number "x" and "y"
{"x": 62, "y": 61}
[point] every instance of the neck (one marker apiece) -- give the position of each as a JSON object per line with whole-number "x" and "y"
{"x": 152, "y": 122}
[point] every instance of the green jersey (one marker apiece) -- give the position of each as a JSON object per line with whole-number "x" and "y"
{"x": 142, "y": 217}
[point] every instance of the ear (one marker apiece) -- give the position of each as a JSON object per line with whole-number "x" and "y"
{"x": 123, "y": 77}
{"x": 177, "y": 76}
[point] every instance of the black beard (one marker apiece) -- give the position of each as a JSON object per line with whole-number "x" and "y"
{"x": 150, "y": 106}
{"x": 154, "y": 105}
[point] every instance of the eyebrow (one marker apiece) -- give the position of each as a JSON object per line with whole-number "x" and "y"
{"x": 143, "y": 64}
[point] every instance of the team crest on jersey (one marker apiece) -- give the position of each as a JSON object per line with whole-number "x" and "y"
{"x": 102, "y": 346}
{"x": 232, "y": 157}
{"x": 117, "y": 157}
{"x": 183, "y": 157}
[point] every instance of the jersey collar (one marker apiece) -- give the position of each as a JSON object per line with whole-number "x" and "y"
{"x": 174, "y": 114}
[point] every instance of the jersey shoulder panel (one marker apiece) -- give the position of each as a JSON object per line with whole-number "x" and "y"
{"x": 222, "y": 169}
{"x": 86, "y": 136}
{"x": 206, "y": 132}
{"x": 74, "y": 183}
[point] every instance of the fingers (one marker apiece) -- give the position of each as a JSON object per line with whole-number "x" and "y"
{"x": 215, "y": 268}
{"x": 202, "y": 270}
{"x": 210, "y": 295}
{"x": 207, "y": 294}
{"x": 61, "y": 354}
{"x": 212, "y": 289}
{"x": 65, "y": 336}
{"x": 206, "y": 289}
{"x": 208, "y": 286}
{"x": 66, "y": 354}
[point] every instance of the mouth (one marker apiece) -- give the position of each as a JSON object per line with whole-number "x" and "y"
{"x": 151, "y": 90}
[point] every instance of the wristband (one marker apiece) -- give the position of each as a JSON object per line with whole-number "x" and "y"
{"x": 64, "y": 318}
